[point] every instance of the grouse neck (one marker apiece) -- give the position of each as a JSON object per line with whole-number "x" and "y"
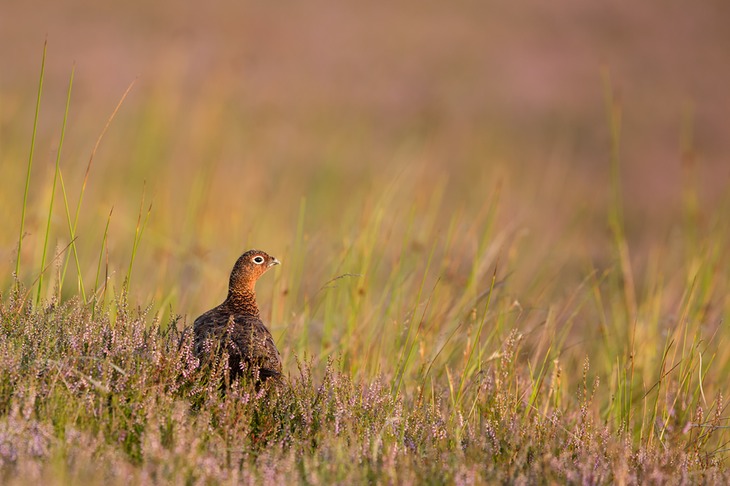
{"x": 243, "y": 301}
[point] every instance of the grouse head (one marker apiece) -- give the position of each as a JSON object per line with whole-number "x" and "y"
{"x": 248, "y": 268}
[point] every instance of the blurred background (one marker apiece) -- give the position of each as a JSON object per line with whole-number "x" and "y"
{"x": 349, "y": 137}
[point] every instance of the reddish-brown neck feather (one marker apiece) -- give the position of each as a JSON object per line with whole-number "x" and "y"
{"x": 241, "y": 294}
{"x": 242, "y": 300}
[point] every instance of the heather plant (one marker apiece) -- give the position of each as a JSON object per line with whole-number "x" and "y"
{"x": 92, "y": 398}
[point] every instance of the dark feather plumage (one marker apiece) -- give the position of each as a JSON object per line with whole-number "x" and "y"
{"x": 235, "y": 325}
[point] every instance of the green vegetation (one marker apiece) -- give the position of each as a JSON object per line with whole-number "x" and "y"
{"x": 433, "y": 328}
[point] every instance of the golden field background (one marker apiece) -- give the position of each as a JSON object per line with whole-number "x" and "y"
{"x": 415, "y": 145}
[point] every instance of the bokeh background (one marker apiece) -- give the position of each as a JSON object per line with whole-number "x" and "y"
{"x": 349, "y": 136}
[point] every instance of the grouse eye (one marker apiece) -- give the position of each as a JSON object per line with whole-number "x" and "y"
{"x": 258, "y": 259}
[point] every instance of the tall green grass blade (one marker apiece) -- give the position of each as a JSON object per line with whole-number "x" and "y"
{"x": 137, "y": 238}
{"x": 56, "y": 173}
{"x": 30, "y": 161}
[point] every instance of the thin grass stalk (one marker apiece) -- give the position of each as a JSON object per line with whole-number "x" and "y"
{"x": 616, "y": 216}
{"x": 412, "y": 344}
{"x": 616, "y": 222}
{"x": 30, "y": 288}
{"x": 684, "y": 382}
{"x": 658, "y": 386}
{"x": 74, "y": 252}
{"x": 467, "y": 365}
{"x": 632, "y": 362}
{"x": 137, "y": 237}
{"x": 489, "y": 213}
{"x": 102, "y": 250}
{"x": 298, "y": 267}
{"x": 690, "y": 194}
{"x": 433, "y": 360}
{"x": 402, "y": 359}
{"x": 297, "y": 264}
{"x": 72, "y": 228}
{"x": 682, "y": 332}
{"x": 536, "y": 387}
{"x": 30, "y": 161}
{"x": 56, "y": 173}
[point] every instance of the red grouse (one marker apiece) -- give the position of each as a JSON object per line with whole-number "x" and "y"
{"x": 235, "y": 325}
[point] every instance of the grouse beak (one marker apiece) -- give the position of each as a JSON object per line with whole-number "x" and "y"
{"x": 274, "y": 262}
